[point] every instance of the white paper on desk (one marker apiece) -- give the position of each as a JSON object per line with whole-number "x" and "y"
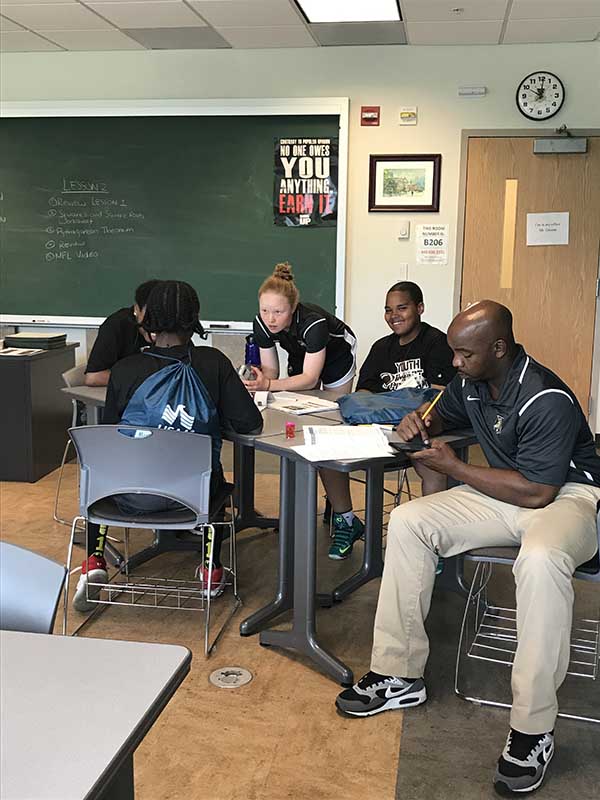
{"x": 19, "y": 351}
{"x": 292, "y": 403}
{"x": 341, "y": 442}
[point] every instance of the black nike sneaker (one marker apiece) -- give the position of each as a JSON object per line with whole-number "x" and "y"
{"x": 523, "y": 763}
{"x": 375, "y": 693}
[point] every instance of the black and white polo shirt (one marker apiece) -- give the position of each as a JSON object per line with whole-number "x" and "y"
{"x": 313, "y": 329}
{"x": 536, "y": 426}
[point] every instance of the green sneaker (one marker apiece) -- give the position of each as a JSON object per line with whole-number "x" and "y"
{"x": 344, "y": 536}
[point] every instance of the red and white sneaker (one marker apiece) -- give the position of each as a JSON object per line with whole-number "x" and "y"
{"x": 217, "y": 583}
{"x": 92, "y": 570}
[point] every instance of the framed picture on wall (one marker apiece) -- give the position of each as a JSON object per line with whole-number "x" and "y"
{"x": 404, "y": 183}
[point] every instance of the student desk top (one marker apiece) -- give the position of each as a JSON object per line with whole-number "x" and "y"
{"x": 61, "y": 735}
{"x": 93, "y": 398}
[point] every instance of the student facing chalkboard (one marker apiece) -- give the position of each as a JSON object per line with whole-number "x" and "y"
{"x": 120, "y": 335}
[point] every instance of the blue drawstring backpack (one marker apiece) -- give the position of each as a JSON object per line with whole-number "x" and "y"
{"x": 386, "y": 408}
{"x": 174, "y": 398}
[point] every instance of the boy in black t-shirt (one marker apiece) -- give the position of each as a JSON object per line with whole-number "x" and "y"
{"x": 414, "y": 355}
{"x": 120, "y": 335}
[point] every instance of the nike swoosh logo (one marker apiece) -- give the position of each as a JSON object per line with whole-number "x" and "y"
{"x": 393, "y": 691}
{"x": 547, "y": 752}
{"x": 344, "y": 549}
{"x": 472, "y": 398}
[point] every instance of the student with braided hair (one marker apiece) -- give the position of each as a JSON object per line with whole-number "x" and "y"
{"x": 171, "y": 318}
{"x": 321, "y": 354}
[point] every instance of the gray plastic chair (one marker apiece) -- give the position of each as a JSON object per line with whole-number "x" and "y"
{"x": 494, "y": 635}
{"x": 72, "y": 377}
{"x": 30, "y": 588}
{"x": 124, "y": 459}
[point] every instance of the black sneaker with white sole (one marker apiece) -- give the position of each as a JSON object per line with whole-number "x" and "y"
{"x": 523, "y": 763}
{"x": 376, "y": 693}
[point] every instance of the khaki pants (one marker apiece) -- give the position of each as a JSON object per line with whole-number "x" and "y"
{"x": 554, "y": 541}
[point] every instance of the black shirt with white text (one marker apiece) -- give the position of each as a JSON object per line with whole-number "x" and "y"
{"x": 424, "y": 361}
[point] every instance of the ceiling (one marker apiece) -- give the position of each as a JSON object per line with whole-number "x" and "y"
{"x": 87, "y": 25}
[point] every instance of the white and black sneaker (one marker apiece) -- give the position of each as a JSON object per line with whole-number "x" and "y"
{"x": 523, "y": 763}
{"x": 375, "y": 693}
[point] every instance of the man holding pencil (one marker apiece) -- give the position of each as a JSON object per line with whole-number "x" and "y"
{"x": 540, "y": 491}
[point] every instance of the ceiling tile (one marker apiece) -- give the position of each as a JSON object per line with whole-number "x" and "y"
{"x": 8, "y": 25}
{"x": 245, "y": 14}
{"x": 358, "y": 33}
{"x": 282, "y": 36}
{"x": 94, "y": 40}
{"x": 24, "y": 41}
{"x": 482, "y": 32}
{"x": 177, "y": 38}
{"x": 564, "y": 30}
{"x": 442, "y": 10}
{"x": 55, "y": 17}
{"x": 166, "y": 14}
{"x": 554, "y": 9}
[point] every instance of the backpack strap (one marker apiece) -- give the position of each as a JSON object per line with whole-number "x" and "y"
{"x": 186, "y": 360}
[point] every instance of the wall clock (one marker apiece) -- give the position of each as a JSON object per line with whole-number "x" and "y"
{"x": 540, "y": 95}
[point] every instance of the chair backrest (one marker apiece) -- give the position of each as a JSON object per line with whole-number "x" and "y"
{"x": 74, "y": 376}
{"x": 119, "y": 459}
{"x": 30, "y": 588}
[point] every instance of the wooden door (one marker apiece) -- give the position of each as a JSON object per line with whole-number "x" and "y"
{"x": 550, "y": 289}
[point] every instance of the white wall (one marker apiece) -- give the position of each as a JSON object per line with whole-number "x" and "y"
{"x": 391, "y": 77}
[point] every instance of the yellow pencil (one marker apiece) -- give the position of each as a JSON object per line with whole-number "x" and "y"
{"x": 434, "y": 401}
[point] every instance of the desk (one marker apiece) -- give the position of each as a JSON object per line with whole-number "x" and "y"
{"x": 34, "y": 415}
{"x": 297, "y": 564}
{"x": 61, "y": 737}
{"x": 93, "y": 398}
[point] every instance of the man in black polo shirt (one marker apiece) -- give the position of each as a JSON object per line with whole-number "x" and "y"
{"x": 120, "y": 335}
{"x": 540, "y": 491}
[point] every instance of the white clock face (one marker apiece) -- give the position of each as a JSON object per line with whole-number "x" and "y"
{"x": 540, "y": 95}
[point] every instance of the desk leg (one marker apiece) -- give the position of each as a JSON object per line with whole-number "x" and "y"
{"x": 243, "y": 479}
{"x": 302, "y": 636}
{"x": 92, "y": 415}
{"x": 120, "y": 785}
{"x": 372, "y": 566}
{"x": 285, "y": 577}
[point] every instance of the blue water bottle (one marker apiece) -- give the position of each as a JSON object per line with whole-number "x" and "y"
{"x": 252, "y": 356}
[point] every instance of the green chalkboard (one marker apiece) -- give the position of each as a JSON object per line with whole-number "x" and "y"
{"x": 91, "y": 207}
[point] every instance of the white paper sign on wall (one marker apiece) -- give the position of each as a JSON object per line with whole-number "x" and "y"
{"x": 548, "y": 229}
{"x": 432, "y": 244}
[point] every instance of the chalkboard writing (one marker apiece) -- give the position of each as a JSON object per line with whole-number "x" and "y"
{"x": 91, "y": 207}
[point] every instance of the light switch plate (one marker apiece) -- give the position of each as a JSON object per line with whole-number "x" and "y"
{"x": 404, "y": 229}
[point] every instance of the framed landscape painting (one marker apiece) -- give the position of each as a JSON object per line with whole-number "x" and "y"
{"x": 404, "y": 183}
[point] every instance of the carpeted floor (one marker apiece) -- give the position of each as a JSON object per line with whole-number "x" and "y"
{"x": 449, "y": 747}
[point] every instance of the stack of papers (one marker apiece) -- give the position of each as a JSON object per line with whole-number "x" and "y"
{"x": 343, "y": 442}
{"x": 44, "y": 341}
{"x": 292, "y": 403}
{"x": 19, "y": 351}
